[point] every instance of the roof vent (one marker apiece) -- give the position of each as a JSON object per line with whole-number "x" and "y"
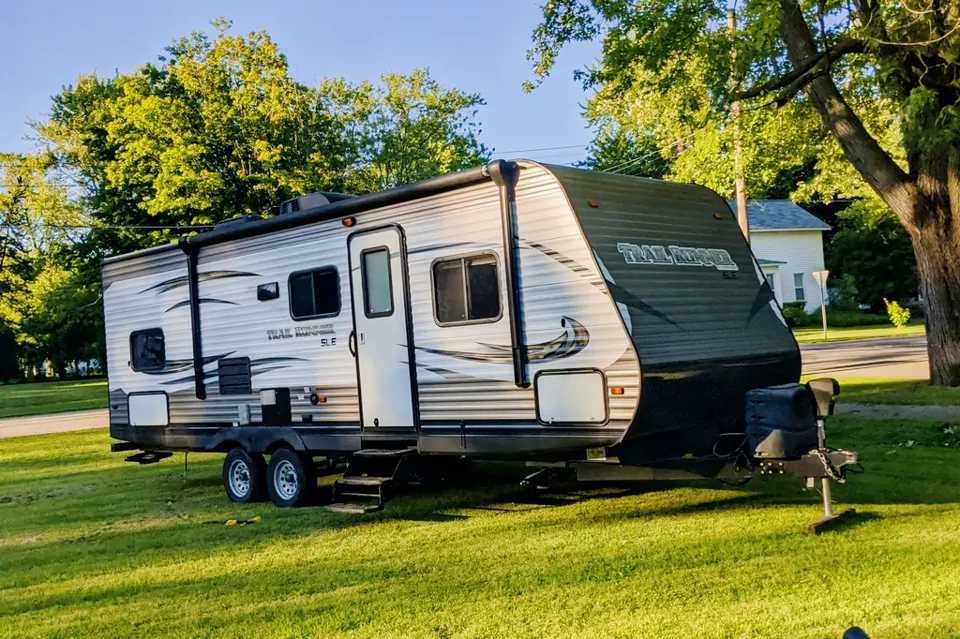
{"x": 237, "y": 221}
{"x": 311, "y": 201}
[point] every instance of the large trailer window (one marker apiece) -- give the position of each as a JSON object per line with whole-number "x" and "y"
{"x": 466, "y": 289}
{"x": 147, "y": 350}
{"x": 314, "y": 293}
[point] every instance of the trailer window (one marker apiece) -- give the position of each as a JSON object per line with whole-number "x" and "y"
{"x": 377, "y": 284}
{"x": 466, "y": 289}
{"x": 314, "y": 293}
{"x": 147, "y": 350}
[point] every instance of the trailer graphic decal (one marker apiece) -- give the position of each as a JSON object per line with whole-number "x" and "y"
{"x": 257, "y": 367}
{"x": 202, "y": 300}
{"x": 177, "y": 282}
{"x": 673, "y": 255}
{"x": 574, "y": 339}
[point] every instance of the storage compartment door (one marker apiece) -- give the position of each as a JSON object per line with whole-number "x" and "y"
{"x": 571, "y": 397}
{"x": 148, "y": 409}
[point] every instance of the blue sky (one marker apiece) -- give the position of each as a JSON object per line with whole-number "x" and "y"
{"x": 473, "y": 46}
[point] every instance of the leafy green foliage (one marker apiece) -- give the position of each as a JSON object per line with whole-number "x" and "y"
{"x": 218, "y": 128}
{"x": 899, "y": 316}
{"x": 796, "y": 315}
{"x": 872, "y": 248}
{"x": 616, "y": 149}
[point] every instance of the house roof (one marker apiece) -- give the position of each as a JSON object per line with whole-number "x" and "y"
{"x": 780, "y": 215}
{"x": 764, "y": 262}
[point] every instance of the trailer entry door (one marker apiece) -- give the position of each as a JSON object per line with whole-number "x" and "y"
{"x": 382, "y": 329}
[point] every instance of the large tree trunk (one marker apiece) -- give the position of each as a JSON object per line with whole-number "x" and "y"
{"x": 926, "y": 202}
{"x": 938, "y": 262}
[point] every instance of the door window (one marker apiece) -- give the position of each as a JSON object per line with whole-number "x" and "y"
{"x": 377, "y": 287}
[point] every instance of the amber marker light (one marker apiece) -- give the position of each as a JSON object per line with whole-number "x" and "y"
{"x": 349, "y": 221}
{"x": 616, "y": 390}
{"x": 593, "y": 204}
{"x": 717, "y": 216}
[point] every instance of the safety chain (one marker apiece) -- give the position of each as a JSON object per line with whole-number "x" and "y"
{"x": 828, "y": 467}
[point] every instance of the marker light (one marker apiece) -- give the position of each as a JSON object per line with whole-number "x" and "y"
{"x": 349, "y": 221}
{"x": 616, "y": 390}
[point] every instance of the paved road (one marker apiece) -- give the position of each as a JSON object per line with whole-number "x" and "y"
{"x": 59, "y": 423}
{"x": 895, "y": 357}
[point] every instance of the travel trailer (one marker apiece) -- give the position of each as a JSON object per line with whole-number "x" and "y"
{"x": 517, "y": 311}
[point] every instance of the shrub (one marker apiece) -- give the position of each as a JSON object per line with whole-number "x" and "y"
{"x": 899, "y": 316}
{"x": 795, "y": 315}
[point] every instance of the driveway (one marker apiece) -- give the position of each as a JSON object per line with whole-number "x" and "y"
{"x": 894, "y": 357}
{"x": 58, "y": 423}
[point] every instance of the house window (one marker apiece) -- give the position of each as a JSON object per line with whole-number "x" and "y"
{"x": 147, "y": 350}
{"x": 466, "y": 289}
{"x": 770, "y": 280}
{"x": 377, "y": 284}
{"x": 314, "y": 293}
{"x": 798, "y": 287}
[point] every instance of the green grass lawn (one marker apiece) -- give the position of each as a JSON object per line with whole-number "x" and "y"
{"x": 19, "y": 400}
{"x": 897, "y": 391}
{"x": 93, "y": 547}
{"x": 809, "y": 335}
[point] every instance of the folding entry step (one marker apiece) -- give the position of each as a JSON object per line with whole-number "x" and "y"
{"x": 370, "y": 478}
{"x": 148, "y": 457}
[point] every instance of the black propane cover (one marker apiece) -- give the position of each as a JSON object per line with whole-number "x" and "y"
{"x": 781, "y": 423}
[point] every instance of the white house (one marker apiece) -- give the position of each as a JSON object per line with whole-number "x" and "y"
{"x": 788, "y": 243}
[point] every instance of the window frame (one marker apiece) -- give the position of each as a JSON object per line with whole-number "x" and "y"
{"x": 304, "y": 271}
{"x": 462, "y": 258}
{"x": 364, "y": 289}
{"x": 151, "y": 369}
{"x": 770, "y": 278}
{"x": 802, "y": 288}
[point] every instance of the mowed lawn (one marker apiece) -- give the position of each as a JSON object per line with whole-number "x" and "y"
{"x": 93, "y": 547}
{"x": 902, "y": 392}
{"x": 808, "y": 334}
{"x": 20, "y": 400}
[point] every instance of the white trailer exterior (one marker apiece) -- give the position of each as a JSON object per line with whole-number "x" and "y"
{"x": 513, "y": 311}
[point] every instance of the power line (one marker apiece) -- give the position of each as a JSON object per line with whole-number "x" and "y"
{"x": 548, "y": 148}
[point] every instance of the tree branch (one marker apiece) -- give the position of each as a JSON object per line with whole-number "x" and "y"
{"x": 805, "y": 70}
{"x": 878, "y": 169}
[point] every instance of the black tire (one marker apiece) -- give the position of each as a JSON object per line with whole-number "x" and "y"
{"x": 291, "y": 479}
{"x": 245, "y": 476}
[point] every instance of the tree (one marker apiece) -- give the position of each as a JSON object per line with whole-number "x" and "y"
{"x": 615, "y": 148}
{"x": 218, "y": 128}
{"x": 873, "y": 250}
{"x": 840, "y": 55}
{"x": 407, "y": 129}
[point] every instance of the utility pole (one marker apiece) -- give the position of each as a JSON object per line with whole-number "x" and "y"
{"x": 743, "y": 218}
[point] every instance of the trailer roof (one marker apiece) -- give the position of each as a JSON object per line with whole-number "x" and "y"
{"x": 342, "y": 208}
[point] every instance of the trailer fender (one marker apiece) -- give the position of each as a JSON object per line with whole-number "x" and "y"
{"x": 257, "y": 439}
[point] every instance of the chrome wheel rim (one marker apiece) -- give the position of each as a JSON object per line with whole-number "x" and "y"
{"x": 239, "y": 477}
{"x": 285, "y": 480}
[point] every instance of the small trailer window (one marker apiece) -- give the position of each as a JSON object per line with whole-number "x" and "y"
{"x": 147, "y": 350}
{"x": 466, "y": 289}
{"x": 314, "y": 293}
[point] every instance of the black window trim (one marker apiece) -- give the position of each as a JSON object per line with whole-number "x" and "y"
{"x": 363, "y": 280}
{"x": 304, "y": 271}
{"x": 460, "y": 258}
{"x": 150, "y": 369}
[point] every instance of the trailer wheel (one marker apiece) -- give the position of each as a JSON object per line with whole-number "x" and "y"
{"x": 291, "y": 479}
{"x": 244, "y": 476}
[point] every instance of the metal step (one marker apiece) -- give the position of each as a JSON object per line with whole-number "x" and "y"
{"x": 348, "y": 480}
{"x": 148, "y": 457}
{"x": 352, "y": 509}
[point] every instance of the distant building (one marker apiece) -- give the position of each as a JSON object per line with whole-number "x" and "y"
{"x": 788, "y": 243}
